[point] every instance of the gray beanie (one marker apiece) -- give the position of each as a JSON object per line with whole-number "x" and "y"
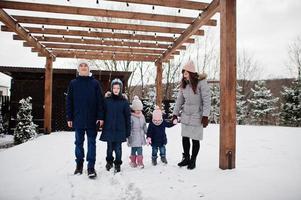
{"x": 137, "y": 104}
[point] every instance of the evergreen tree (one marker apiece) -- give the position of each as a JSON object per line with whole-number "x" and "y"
{"x": 291, "y": 107}
{"x": 25, "y": 129}
{"x": 1, "y": 121}
{"x": 215, "y": 104}
{"x": 241, "y": 106}
{"x": 262, "y": 104}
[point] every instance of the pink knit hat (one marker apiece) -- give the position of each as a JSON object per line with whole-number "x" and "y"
{"x": 157, "y": 114}
{"x": 189, "y": 66}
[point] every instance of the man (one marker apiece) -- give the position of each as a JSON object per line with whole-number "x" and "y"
{"x": 85, "y": 114}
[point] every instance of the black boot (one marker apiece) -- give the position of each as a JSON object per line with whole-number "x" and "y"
{"x": 117, "y": 165}
{"x": 109, "y": 165}
{"x": 92, "y": 173}
{"x": 79, "y": 168}
{"x": 154, "y": 161}
{"x": 185, "y": 160}
{"x": 191, "y": 164}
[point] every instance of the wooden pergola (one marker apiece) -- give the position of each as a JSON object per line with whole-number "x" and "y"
{"x": 146, "y": 43}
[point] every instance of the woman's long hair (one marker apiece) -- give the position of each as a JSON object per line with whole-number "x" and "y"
{"x": 193, "y": 79}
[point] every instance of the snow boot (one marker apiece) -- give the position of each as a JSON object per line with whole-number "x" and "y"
{"x": 191, "y": 164}
{"x": 79, "y": 168}
{"x": 140, "y": 161}
{"x": 109, "y": 165}
{"x": 117, "y": 165}
{"x": 164, "y": 160}
{"x": 154, "y": 161}
{"x": 91, "y": 173}
{"x": 185, "y": 160}
{"x": 133, "y": 161}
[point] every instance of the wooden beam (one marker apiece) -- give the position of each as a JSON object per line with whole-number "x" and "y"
{"x": 59, "y": 52}
{"x": 100, "y": 42}
{"x": 15, "y": 5}
{"x": 22, "y": 33}
{"x": 194, "y": 27}
{"x": 193, "y": 5}
{"x": 159, "y": 89}
{"x": 102, "y": 25}
{"x": 124, "y": 36}
{"x": 102, "y": 48}
{"x": 107, "y": 56}
{"x": 48, "y": 95}
{"x": 228, "y": 84}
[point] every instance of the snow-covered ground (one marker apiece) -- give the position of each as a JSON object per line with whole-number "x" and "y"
{"x": 268, "y": 167}
{"x": 6, "y": 140}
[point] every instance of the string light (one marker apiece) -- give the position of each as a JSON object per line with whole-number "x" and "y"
{"x": 174, "y": 36}
{"x": 102, "y": 40}
{"x": 155, "y": 35}
{"x": 85, "y": 51}
{"x": 67, "y": 28}
{"x": 139, "y": 42}
{"x": 157, "y": 43}
{"x": 179, "y": 10}
{"x": 127, "y": 4}
{"x": 113, "y": 31}
{"x": 153, "y": 7}
{"x": 43, "y": 28}
{"x": 82, "y": 38}
{"x": 122, "y": 42}
{"x": 134, "y": 33}
{"x": 43, "y": 37}
{"x": 97, "y": 1}
{"x": 63, "y": 37}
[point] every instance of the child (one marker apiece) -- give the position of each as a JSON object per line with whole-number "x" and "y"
{"x": 117, "y": 124}
{"x": 138, "y": 131}
{"x": 156, "y": 135}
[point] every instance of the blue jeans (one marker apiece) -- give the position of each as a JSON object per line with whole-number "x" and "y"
{"x": 79, "y": 146}
{"x": 162, "y": 150}
{"x": 114, "y": 146}
{"x": 137, "y": 150}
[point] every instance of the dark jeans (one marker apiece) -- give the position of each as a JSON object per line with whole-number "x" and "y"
{"x": 186, "y": 147}
{"x": 162, "y": 150}
{"x": 136, "y": 150}
{"x": 79, "y": 146}
{"x": 114, "y": 146}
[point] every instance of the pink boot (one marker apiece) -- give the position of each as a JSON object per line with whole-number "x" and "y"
{"x": 133, "y": 161}
{"x": 140, "y": 161}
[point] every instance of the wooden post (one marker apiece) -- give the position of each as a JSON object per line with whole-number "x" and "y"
{"x": 48, "y": 95}
{"x": 228, "y": 84}
{"x": 159, "y": 91}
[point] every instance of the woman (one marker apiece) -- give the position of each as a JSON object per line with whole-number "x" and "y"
{"x": 193, "y": 102}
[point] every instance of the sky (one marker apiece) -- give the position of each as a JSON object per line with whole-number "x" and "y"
{"x": 264, "y": 30}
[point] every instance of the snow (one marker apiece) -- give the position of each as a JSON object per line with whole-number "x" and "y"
{"x": 268, "y": 167}
{"x": 6, "y": 140}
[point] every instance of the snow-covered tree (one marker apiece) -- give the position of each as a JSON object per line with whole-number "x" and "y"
{"x": 1, "y": 121}
{"x": 215, "y": 104}
{"x": 175, "y": 92}
{"x": 149, "y": 103}
{"x": 290, "y": 114}
{"x": 262, "y": 104}
{"x": 241, "y": 106}
{"x": 25, "y": 129}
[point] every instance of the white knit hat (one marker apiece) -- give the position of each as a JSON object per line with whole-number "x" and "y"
{"x": 82, "y": 62}
{"x": 137, "y": 104}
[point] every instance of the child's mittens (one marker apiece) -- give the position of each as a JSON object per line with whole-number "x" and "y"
{"x": 148, "y": 141}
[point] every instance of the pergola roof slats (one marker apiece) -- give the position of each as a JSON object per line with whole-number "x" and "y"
{"x": 11, "y": 23}
{"x": 193, "y": 5}
{"x": 101, "y": 25}
{"x": 54, "y": 31}
{"x": 100, "y": 42}
{"x": 102, "y": 48}
{"x": 98, "y": 12}
{"x": 200, "y": 21}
